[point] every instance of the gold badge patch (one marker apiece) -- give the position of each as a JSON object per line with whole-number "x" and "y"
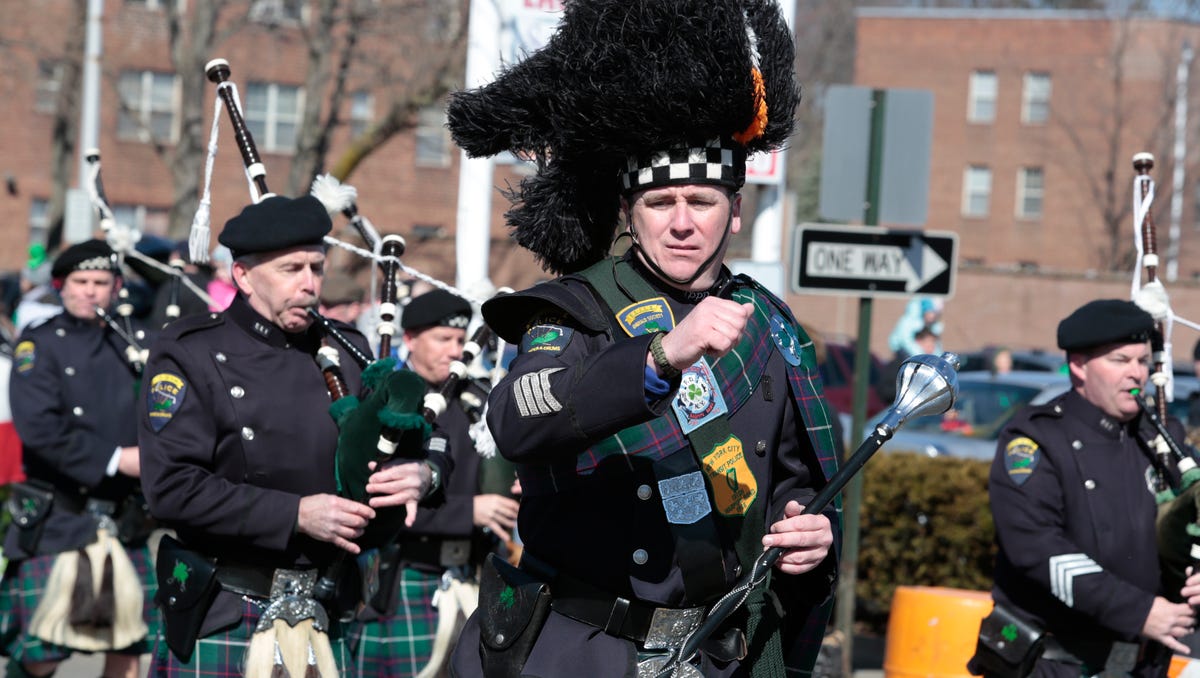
{"x": 733, "y": 485}
{"x": 24, "y": 356}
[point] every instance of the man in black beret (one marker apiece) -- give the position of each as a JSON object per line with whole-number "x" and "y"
{"x": 445, "y": 546}
{"x": 1073, "y": 488}
{"x": 238, "y": 453}
{"x": 73, "y": 391}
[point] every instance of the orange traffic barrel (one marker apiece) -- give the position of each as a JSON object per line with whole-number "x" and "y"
{"x": 932, "y": 631}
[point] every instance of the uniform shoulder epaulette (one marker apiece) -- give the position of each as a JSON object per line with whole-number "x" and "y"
{"x": 190, "y": 324}
{"x": 509, "y": 314}
{"x": 39, "y": 323}
{"x": 1052, "y": 409}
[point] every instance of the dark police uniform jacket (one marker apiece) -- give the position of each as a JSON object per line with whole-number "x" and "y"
{"x": 234, "y": 431}
{"x": 603, "y": 522}
{"x": 72, "y": 393}
{"x": 1072, "y": 496}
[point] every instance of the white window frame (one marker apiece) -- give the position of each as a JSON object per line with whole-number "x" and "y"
{"x": 39, "y": 221}
{"x": 264, "y": 125}
{"x": 982, "y": 95}
{"x": 143, "y": 109}
{"x": 973, "y": 175}
{"x": 362, "y": 112}
{"x": 135, "y": 216}
{"x": 432, "y": 143}
{"x": 1027, "y": 193}
{"x": 1035, "y": 98}
{"x": 50, "y": 74}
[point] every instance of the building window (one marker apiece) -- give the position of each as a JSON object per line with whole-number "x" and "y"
{"x": 39, "y": 221}
{"x": 273, "y": 115}
{"x": 433, "y": 139}
{"x": 148, "y": 4}
{"x": 145, "y": 220}
{"x": 1030, "y": 189}
{"x": 50, "y": 74}
{"x": 1035, "y": 99}
{"x": 362, "y": 112}
{"x": 977, "y": 191}
{"x": 147, "y": 106}
{"x": 981, "y": 105}
{"x": 276, "y": 11}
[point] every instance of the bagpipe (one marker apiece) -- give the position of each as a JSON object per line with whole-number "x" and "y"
{"x": 1176, "y": 472}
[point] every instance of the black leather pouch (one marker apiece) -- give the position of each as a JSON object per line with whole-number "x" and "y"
{"x": 513, "y": 606}
{"x": 187, "y": 586}
{"x": 29, "y": 505}
{"x": 1008, "y": 646}
{"x": 134, "y": 523}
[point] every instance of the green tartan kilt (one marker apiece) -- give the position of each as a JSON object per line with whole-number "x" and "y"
{"x": 222, "y": 654}
{"x": 21, "y": 589}
{"x": 400, "y": 644}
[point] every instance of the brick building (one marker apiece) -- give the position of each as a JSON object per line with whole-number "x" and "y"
{"x": 1037, "y": 115}
{"x": 409, "y": 186}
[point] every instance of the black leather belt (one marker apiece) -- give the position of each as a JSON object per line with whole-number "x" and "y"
{"x": 249, "y": 580}
{"x": 643, "y": 623}
{"x": 435, "y": 552}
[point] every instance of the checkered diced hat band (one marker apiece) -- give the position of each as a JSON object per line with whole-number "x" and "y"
{"x": 717, "y": 161}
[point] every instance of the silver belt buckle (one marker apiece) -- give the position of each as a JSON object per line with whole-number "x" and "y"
{"x": 669, "y": 627}
{"x": 292, "y": 600}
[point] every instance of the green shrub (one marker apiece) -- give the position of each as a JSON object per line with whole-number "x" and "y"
{"x": 925, "y": 522}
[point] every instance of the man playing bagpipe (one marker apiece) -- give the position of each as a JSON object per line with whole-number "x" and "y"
{"x": 238, "y": 454}
{"x": 80, "y": 577}
{"x": 666, "y": 418}
{"x": 1073, "y": 488}
{"x": 429, "y": 575}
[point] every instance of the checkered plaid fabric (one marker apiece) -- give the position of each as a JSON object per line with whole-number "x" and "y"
{"x": 713, "y": 162}
{"x": 400, "y": 645}
{"x": 22, "y": 588}
{"x": 221, "y": 654}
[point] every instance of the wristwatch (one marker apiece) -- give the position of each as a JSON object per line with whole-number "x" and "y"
{"x": 659, "y": 356}
{"x": 435, "y": 478}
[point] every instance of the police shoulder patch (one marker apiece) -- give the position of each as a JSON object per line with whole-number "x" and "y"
{"x": 164, "y": 398}
{"x": 24, "y": 356}
{"x": 1020, "y": 459}
{"x": 549, "y": 338}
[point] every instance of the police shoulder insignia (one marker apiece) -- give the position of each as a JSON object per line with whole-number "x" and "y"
{"x": 24, "y": 356}
{"x": 164, "y": 398}
{"x": 547, "y": 338}
{"x": 1020, "y": 458}
{"x": 785, "y": 340}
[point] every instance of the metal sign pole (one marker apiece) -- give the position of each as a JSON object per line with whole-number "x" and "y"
{"x": 852, "y": 498}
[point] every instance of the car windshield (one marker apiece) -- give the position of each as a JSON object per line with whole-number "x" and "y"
{"x": 982, "y": 408}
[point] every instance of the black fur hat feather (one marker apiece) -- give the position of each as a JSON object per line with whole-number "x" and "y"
{"x": 621, "y": 78}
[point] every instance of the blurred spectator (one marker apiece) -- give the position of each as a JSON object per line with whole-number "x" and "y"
{"x": 924, "y": 340}
{"x": 39, "y": 300}
{"x": 342, "y": 298}
{"x": 1002, "y": 361}
{"x": 221, "y": 287}
{"x": 172, "y": 298}
{"x": 1193, "y": 413}
{"x": 919, "y": 313}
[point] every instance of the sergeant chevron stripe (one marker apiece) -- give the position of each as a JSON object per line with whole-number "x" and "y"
{"x": 1063, "y": 570}
{"x": 532, "y": 393}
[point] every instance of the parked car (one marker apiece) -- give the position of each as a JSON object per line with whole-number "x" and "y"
{"x": 1023, "y": 361}
{"x": 837, "y": 376}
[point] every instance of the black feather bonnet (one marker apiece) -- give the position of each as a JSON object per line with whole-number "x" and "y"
{"x": 629, "y": 94}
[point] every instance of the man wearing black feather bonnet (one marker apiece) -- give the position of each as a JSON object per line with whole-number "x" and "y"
{"x": 666, "y": 417}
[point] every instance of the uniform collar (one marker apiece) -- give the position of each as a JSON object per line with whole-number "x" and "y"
{"x": 1095, "y": 418}
{"x": 679, "y": 295}
{"x": 266, "y": 331}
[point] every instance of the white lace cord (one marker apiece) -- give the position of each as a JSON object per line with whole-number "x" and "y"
{"x": 198, "y": 239}
{"x": 378, "y": 258}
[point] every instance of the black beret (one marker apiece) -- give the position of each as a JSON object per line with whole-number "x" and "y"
{"x": 437, "y": 308}
{"x": 276, "y": 223}
{"x": 89, "y": 255}
{"x": 1196, "y": 350}
{"x": 1104, "y": 321}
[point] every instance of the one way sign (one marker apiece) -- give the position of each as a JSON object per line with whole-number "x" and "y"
{"x": 873, "y": 262}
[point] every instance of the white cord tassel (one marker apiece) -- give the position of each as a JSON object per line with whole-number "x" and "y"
{"x": 198, "y": 238}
